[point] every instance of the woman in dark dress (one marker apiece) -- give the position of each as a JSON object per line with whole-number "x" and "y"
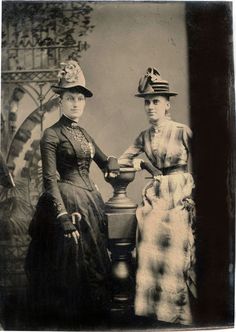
{"x": 67, "y": 263}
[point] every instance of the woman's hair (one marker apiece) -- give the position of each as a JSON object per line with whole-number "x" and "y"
{"x": 168, "y": 113}
{"x": 75, "y": 89}
{"x": 166, "y": 96}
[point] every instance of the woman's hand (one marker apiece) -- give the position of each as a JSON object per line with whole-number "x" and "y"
{"x": 150, "y": 168}
{"x": 112, "y": 168}
{"x": 68, "y": 227}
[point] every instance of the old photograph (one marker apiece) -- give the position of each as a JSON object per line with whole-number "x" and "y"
{"x": 117, "y": 165}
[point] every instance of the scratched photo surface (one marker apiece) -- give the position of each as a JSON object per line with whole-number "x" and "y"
{"x": 188, "y": 47}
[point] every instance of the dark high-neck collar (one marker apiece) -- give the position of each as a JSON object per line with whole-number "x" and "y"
{"x": 66, "y": 121}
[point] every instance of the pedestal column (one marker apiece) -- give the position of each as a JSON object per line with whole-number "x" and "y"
{"x": 121, "y": 216}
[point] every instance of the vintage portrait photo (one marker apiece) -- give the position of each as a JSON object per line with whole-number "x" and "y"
{"x": 117, "y": 165}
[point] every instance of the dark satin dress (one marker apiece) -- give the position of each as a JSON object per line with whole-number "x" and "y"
{"x": 69, "y": 280}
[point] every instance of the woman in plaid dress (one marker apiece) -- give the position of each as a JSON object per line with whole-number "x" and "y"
{"x": 165, "y": 278}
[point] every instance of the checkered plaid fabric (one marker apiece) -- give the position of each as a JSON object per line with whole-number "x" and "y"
{"x": 166, "y": 251}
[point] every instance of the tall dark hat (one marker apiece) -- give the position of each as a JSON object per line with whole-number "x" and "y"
{"x": 71, "y": 77}
{"x": 152, "y": 84}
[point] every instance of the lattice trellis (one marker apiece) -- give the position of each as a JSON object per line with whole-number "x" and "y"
{"x": 38, "y": 35}
{"x": 36, "y": 76}
{"x": 35, "y": 38}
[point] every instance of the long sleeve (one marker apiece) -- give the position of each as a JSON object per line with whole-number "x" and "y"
{"x": 187, "y": 141}
{"x": 106, "y": 164}
{"x": 100, "y": 158}
{"x": 48, "y": 146}
{"x": 187, "y": 138}
{"x": 126, "y": 159}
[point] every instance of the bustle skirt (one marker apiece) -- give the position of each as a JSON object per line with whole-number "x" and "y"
{"x": 166, "y": 250}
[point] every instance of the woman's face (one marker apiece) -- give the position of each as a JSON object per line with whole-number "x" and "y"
{"x": 73, "y": 104}
{"x": 156, "y": 107}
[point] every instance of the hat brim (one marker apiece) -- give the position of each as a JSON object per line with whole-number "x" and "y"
{"x": 77, "y": 88}
{"x": 168, "y": 94}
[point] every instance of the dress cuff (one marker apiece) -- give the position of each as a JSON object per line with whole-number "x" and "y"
{"x": 111, "y": 157}
{"x": 137, "y": 164}
{"x": 61, "y": 214}
{"x": 158, "y": 177}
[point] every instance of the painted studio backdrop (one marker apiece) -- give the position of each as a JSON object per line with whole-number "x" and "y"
{"x": 190, "y": 44}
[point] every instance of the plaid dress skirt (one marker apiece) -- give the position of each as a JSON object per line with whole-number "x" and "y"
{"x": 166, "y": 252}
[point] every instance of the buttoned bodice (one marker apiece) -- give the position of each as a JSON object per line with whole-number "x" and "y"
{"x": 74, "y": 154}
{"x": 166, "y": 145}
{"x": 67, "y": 149}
